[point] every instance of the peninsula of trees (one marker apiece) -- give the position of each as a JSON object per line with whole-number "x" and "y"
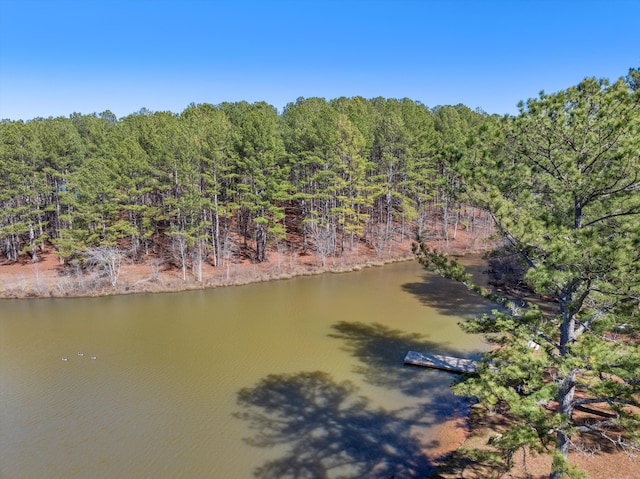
{"x": 215, "y": 183}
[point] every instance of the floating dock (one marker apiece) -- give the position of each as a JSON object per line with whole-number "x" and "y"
{"x": 437, "y": 361}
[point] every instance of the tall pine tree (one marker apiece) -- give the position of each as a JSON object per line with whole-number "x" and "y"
{"x": 562, "y": 182}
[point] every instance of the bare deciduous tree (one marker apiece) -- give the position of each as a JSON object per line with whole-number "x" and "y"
{"x": 107, "y": 259}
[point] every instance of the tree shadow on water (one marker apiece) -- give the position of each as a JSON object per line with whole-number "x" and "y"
{"x": 380, "y": 351}
{"x": 331, "y": 432}
{"x": 448, "y": 297}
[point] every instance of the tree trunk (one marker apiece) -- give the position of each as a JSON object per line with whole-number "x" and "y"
{"x": 196, "y": 260}
{"x": 217, "y": 257}
{"x": 32, "y": 244}
{"x": 566, "y": 394}
{"x": 566, "y": 391}
{"x": 261, "y": 243}
{"x": 445, "y": 220}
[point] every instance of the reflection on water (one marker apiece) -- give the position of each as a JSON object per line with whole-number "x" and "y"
{"x": 379, "y": 350}
{"x": 297, "y": 378}
{"x": 326, "y": 427}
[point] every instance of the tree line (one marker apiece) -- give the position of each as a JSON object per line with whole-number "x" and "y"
{"x": 218, "y": 181}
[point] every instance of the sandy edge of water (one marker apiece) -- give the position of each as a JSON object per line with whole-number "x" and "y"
{"x": 47, "y": 278}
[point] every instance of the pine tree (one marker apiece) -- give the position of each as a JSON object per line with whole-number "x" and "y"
{"x": 562, "y": 181}
{"x": 260, "y": 184}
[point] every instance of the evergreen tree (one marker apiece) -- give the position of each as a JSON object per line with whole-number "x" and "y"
{"x": 562, "y": 182}
{"x": 62, "y": 153}
{"x": 456, "y": 128}
{"x": 353, "y": 196}
{"x": 209, "y": 132}
{"x": 417, "y": 184}
{"x": 311, "y": 139}
{"x": 23, "y": 227}
{"x": 260, "y": 185}
{"x": 390, "y": 155}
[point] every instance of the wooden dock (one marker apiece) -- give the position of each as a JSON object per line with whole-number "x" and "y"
{"x": 437, "y": 361}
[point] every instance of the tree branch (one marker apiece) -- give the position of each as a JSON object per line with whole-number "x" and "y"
{"x": 608, "y": 400}
{"x": 612, "y": 215}
{"x": 584, "y": 325}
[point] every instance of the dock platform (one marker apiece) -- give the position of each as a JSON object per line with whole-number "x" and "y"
{"x": 437, "y": 361}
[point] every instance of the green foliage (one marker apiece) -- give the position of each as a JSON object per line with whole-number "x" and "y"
{"x": 562, "y": 181}
{"x": 561, "y": 467}
{"x": 348, "y": 170}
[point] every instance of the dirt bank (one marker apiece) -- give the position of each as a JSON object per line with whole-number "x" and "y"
{"x": 602, "y": 462}
{"x": 49, "y": 278}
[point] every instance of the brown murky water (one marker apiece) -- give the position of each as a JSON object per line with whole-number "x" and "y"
{"x": 296, "y": 378}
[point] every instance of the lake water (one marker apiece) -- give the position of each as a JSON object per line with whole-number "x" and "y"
{"x": 297, "y": 378}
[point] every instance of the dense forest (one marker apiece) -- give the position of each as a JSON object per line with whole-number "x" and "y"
{"x": 218, "y": 182}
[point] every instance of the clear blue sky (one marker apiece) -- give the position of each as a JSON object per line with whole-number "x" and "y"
{"x": 58, "y": 57}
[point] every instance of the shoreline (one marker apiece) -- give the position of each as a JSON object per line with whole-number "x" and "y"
{"x": 47, "y": 278}
{"x": 30, "y": 282}
{"x": 456, "y": 436}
